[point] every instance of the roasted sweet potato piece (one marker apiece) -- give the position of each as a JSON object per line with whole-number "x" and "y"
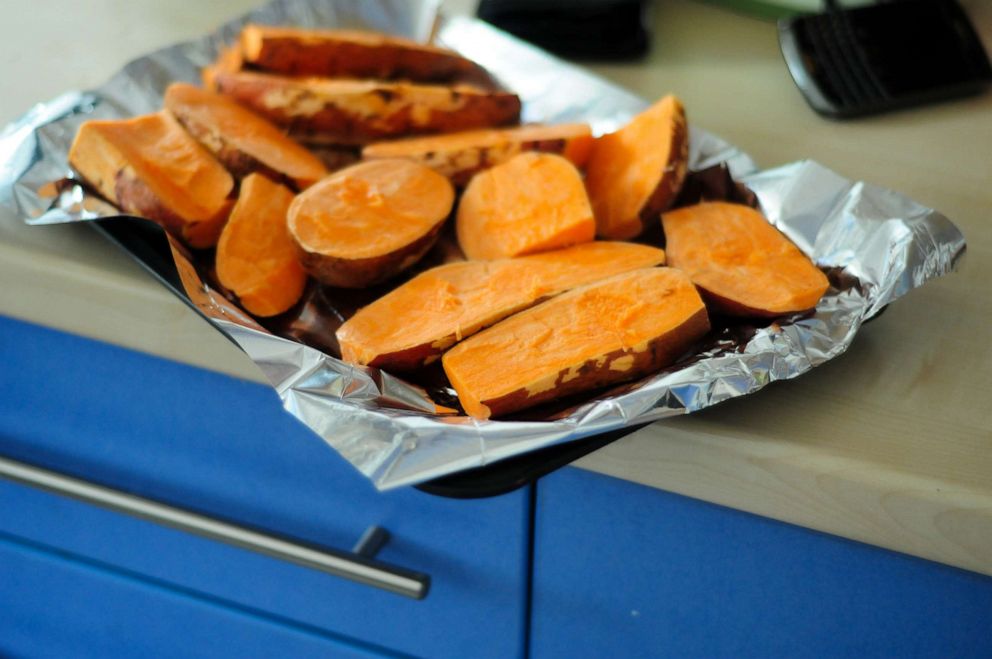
{"x": 257, "y": 259}
{"x": 229, "y": 60}
{"x": 368, "y": 222}
{"x": 534, "y": 202}
{"x": 412, "y": 325}
{"x": 614, "y": 330}
{"x": 329, "y": 111}
{"x": 353, "y": 54}
{"x": 459, "y": 156}
{"x": 242, "y": 141}
{"x": 637, "y": 172}
{"x": 149, "y": 166}
{"x": 743, "y": 265}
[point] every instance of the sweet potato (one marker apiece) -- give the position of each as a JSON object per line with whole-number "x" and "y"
{"x": 329, "y": 111}
{"x": 368, "y": 222}
{"x": 352, "y": 54}
{"x": 534, "y": 202}
{"x": 240, "y": 139}
{"x": 229, "y": 60}
{"x": 257, "y": 259}
{"x": 637, "y": 172}
{"x": 459, "y": 156}
{"x": 412, "y": 325}
{"x": 743, "y": 265}
{"x": 149, "y": 166}
{"x": 614, "y": 330}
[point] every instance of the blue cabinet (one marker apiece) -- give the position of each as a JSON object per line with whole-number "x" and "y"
{"x": 626, "y": 570}
{"x": 224, "y": 448}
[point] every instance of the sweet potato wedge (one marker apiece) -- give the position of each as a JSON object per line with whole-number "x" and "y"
{"x": 370, "y": 221}
{"x": 459, "y": 156}
{"x": 240, "y": 139}
{"x": 614, "y": 330}
{"x": 637, "y": 172}
{"x": 353, "y": 54}
{"x": 743, "y": 265}
{"x": 149, "y": 166}
{"x": 413, "y": 324}
{"x": 229, "y": 60}
{"x": 257, "y": 259}
{"x": 534, "y": 202}
{"x": 329, "y": 111}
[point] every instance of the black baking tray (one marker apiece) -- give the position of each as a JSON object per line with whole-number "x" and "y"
{"x": 146, "y": 243}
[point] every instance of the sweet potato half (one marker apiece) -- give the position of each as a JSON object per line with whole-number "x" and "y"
{"x": 611, "y": 331}
{"x": 353, "y": 54}
{"x": 638, "y": 171}
{"x": 534, "y": 202}
{"x": 413, "y": 324}
{"x": 370, "y": 221}
{"x": 459, "y": 156}
{"x": 332, "y": 111}
{"x": 242, "y": 141}
{"x": 257, "y": 259}
{"x": 149, "y": 166}
{"x": 743, "y": 265}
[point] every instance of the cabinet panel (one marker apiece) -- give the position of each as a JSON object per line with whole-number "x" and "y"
{"x": 626, "y": 570}
{"x": 225, "y": 448}
{"x": 54, "y": 606}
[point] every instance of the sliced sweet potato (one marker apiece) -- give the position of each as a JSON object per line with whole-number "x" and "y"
{"x": 637, "y": 172}
{"x": 352, "y": 54}
{"x": 229, "y": 60}
{"x": 614, "y": 330}
{"x": 459, "y": 156}
{"x": 242, "y": 141}
{"x": 329, "y": 111}
{"x": 534, "y": 202}
{"x": 257, "y": 259}
{"x": 150, "y": 166}
{"x": 413, "y": 324}
{"x": 368, "y": 222}
{"x": 743, "y": 265}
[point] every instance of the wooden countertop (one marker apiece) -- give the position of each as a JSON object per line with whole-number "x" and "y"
{"x": 890, "y": 444}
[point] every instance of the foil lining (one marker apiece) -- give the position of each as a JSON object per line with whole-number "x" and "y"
{"x": 874, "y": 244}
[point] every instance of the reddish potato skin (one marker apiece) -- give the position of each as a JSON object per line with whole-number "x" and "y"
{"x": 135, "y": 197}
{"x": 362, "y": 273}
{"x": 308, "y": 118}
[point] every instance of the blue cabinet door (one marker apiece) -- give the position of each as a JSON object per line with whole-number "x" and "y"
{"x": 225, "y": 448}
{"x": 623, "y": 570}
{"x": 54, "y": 606}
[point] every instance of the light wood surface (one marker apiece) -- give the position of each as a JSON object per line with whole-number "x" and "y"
{"x": 890, "y": 444}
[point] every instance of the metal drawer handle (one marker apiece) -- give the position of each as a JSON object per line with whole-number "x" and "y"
{"x": 358, "y": 565}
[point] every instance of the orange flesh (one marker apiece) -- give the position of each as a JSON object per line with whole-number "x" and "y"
{"x": 256, "y": 257}
{"x": 731, "y": 251}
{"x": 532, "y": 203}
{"x": 626, "y": 167}
{"x": 454, "y": 146}
{"x": 246, "y": 131}
{"x": 449, "y": 302}
{"x": 181, "y": 173}
{"x": 370, "y": 209}
{"x": 536, "y": 350}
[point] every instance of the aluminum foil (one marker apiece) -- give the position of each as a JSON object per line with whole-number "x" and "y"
{"x": 874, "y": 244}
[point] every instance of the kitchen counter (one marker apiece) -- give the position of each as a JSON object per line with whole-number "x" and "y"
{"x": 890, "y": 444}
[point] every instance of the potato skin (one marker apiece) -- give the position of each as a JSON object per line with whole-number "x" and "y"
{"x": 599, "y": 372}
{"x": 362, "y": 273}
{"x": 135, "y": 197}
{"x": 349, "y": 54}
{"x": 675, "y": 172}
{"x": 314, "y": 113}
